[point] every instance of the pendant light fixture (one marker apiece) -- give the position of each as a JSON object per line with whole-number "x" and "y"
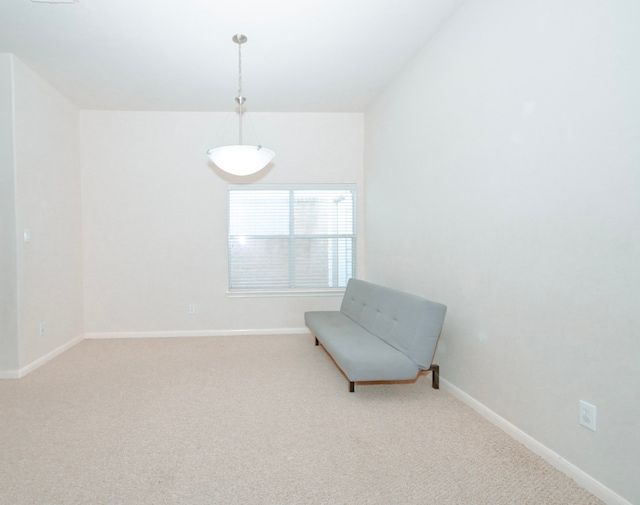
{"x": 240, "y": 159}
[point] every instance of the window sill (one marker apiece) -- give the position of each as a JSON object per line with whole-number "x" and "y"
{"x": 287, "y": 293}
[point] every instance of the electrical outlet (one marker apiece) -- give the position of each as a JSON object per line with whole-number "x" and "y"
{"x": 42, "y": 329}
{"x": 588, "y": 415}
{"x": 192, "y": 308}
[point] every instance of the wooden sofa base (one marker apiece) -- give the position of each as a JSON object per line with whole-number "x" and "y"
{"x": 433, "y": 369}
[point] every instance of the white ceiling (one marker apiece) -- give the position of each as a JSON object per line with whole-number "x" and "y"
{"x": 302, "y": 55}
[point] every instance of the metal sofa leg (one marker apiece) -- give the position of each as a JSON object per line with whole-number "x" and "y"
{"x": 435, "y": 376}
{"x": 352, "y": 387}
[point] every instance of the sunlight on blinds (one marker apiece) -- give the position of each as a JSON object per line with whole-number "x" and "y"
{"x": 291, "y": 237}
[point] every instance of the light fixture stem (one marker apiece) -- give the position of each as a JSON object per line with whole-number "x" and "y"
{"x": 240, "y": 69}
{"x": 240, "y": 39}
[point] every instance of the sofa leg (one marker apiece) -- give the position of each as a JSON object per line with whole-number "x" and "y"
{"x": 352, "y": 387}
{"x": 317, "y": 343}
{"x": 435, "y": 376}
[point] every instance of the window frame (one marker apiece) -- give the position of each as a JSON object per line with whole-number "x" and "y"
{"x": 291, "y": 187}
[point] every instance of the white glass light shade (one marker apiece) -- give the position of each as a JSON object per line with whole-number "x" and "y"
{"x": 241, "y": 160}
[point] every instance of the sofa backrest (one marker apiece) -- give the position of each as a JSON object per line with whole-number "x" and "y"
{"x": 409, "y": 323}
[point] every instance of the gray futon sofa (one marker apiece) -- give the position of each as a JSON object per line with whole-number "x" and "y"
{"x": 380, "y": 334}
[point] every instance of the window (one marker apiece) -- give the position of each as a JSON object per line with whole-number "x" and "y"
{"x": 291, "y": 237}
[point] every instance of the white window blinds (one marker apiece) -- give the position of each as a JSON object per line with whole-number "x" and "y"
{"x": 291, "y": 237}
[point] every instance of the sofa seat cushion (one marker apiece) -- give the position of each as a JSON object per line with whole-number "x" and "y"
{"x": 359, "y": 354}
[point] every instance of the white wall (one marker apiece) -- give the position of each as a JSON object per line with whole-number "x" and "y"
{"x": 41, "y": 280}
{"x": 155, "y": 218}
{"x": 48, "y": 203}
{"x": 502, "y": 179}
{"x": 8, "y": 256}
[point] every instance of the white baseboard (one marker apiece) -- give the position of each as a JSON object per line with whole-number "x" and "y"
{"x": 18, "y": 374}
{"x": 199, "y": 333}
{"x": 580, "y": 477}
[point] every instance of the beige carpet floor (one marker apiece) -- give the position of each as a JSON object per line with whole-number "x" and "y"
{"x": 249, "y": 420}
